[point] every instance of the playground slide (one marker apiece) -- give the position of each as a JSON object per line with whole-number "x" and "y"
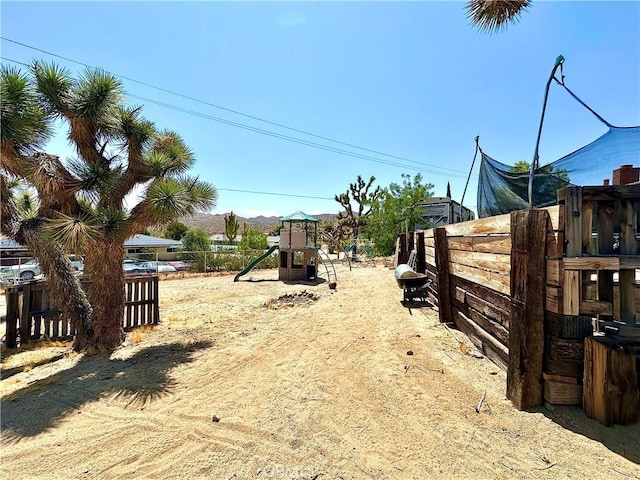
{"x": 250, "y": 267}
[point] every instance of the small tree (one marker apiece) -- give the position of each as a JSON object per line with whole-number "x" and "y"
{"x": 397, "y": 210}
{"x": 196, "y": 246}
{"x": 175, "y": 230}
{"x": 231, "y": 227}
{"x": 253, "y": 239}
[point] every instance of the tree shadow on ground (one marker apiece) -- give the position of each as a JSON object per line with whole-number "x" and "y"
{"x": 623, "y": 440}
{"x": 140, "y": 378}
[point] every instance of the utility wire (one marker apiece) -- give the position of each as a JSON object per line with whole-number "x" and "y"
{"x": 281, "y": 136}
{"x": 224, "y": 121}
{"x": 276, "y": 194}
{"x": 292, "y": 139}
{"x": 253, "y": 117}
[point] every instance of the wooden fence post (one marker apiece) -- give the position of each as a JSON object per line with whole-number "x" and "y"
{"x": 403, "y": 256}
{"x": 421, "y": 261}
{"x": 526, "y": 319}
{"x": 25, "y": 315}
{"x": 11, "y": 295}
{"x": 442, "y": 270}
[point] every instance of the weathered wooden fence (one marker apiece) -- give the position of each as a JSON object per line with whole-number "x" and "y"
{"x": 528, "y": 287}
{"x": 31, "y": 314}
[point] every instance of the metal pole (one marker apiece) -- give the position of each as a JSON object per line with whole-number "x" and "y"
{"x": 469, "y": 176}
{"x": 536, "y": 157}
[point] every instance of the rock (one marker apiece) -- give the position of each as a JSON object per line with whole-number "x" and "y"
{"x": 410, "y": 352}
{"x": 215, "y": 418}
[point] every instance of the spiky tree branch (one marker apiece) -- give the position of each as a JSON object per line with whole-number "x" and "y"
{"x": 494, "y": 15}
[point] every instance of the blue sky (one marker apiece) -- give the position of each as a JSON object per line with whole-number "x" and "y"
{"x": 409, "y": 79}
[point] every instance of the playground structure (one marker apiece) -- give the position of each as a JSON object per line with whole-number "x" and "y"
{"x": 299, "y": 253}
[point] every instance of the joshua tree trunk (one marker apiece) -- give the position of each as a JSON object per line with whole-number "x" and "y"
{"x": 105, "y": 291}
{"x": 68, "y": 294}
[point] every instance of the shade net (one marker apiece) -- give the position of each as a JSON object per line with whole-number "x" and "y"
{"x": 503, "y": 188}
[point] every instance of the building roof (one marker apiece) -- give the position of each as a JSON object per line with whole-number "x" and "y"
{"x": 8, "y": 244}
{"x": 139, "y": 241}
{"x": 299, "y": 216}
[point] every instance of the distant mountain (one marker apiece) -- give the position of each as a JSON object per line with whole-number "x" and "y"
{"x": 215, "y": 223}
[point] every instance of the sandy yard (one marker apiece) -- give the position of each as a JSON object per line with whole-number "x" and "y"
{"x": 323, "y": 388}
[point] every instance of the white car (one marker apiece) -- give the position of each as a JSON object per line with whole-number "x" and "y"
{"x": 159, "y": 267}
{"x": 22, "y": 272}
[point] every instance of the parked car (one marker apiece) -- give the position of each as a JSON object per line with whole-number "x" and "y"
{"x": 77, "y": 263}
{"x": 181, "y": 266}
{"x": 159, "y": 267}
{"x": 135, "y": 269}
{"x": 22, "y": 272}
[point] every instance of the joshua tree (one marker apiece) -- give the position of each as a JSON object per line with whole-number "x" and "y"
{"x": 359, "y": 193}
{"x": 494, "y": 15}
{"x": 231, "y": 227}
{"x": 81, "y": 200}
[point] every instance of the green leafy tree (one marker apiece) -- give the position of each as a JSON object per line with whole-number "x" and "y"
{"x": 81, "y": 204}
{"x": 494, "y": 15}
{"x": 231, "y": 227}
{"x": 359, "y": 193}
{"x": 175, "y": 230}
{"x": 253, "y": 239}
{"x": 398, "y": 209}
{"x": 196, "y": 245}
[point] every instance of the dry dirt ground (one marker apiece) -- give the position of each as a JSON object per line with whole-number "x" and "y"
{"x": 320, "y": 388}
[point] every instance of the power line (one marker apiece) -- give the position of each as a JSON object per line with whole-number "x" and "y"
{"x": 281, "y": 136}
{"x": 291, "y": 139}
{"x": 253, "y": 117}
{"x": 275, "y": 194}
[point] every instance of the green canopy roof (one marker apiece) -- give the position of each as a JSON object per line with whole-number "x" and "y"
{"x": 298, "y": 216}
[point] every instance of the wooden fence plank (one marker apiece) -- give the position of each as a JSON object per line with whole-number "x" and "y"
{"x": 497, "y": 224}
{"x": 526, "y": 325}
{"x": 555, "y": 244}
{"x": 11, "y": 296}
{"x": 420, "y": 253}
{"x": 591, "y": 263}
{"x": 596, "y": 307}
{"x": 485, "y": 244}
{"x": 573, "y": 222}
{"x": 604, "y": 220}
{"x": 555, "y": 272}
{"x": 501, "y": 302}
{"x": 571, "y": 293}
{"x": 442, "y": 267}
{"x": 25, "y": 318}
{"x": 136, "y": 294}
{"x": 628, "y": 246}
{"x": 489, "y": 325}
{"x": 487, "y": 344}
{"x": 485, "y": 261}
{"x": 495, "y": 281}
